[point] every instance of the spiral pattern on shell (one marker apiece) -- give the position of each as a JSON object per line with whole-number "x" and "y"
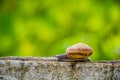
{"x": 79, "y": 50}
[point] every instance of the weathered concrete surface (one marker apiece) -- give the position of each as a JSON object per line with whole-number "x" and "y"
{"x": 29, "y": 68}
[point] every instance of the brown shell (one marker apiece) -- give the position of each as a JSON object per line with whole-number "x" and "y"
{"x": 79, "y": 50}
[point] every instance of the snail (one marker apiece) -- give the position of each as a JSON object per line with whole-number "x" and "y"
{"x": 76, "y": 52}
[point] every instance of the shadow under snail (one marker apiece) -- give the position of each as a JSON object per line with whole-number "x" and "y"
{"x": 77, "y": 52}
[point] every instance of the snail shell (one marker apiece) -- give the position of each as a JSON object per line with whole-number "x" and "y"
{"x": 79, "y": 51}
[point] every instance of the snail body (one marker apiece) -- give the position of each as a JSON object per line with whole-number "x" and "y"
{"x": 77, "y": 52}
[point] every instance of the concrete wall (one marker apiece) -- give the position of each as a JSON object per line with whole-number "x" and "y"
{"x": 36, "y": 68}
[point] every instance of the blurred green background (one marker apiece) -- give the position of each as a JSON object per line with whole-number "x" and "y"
{"x": 48, "y": 27}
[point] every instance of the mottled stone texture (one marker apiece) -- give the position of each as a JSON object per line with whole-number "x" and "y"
{"x": 14, "y": 68}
